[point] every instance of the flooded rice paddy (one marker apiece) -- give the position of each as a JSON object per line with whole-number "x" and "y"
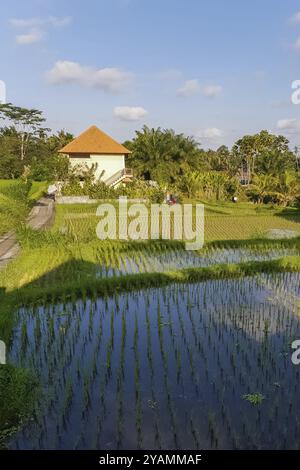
{"x": 180, "y": 259}
{"x": 171, "y": 367}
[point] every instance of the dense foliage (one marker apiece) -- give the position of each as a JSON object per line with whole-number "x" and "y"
{"x": 25, "y": 143}
{"x": 136, "y": 189}
{"x": 264, "y": 160}
{"x": 175, "y": 162}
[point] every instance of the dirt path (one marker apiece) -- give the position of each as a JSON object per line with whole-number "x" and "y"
{"x": 40, "y": 217}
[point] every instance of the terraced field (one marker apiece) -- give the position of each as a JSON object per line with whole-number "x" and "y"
{"x": 228, "y": 222}
{"x": 172, "y": 340}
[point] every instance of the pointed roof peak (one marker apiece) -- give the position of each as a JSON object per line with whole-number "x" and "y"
{"x": 94, "y": 141}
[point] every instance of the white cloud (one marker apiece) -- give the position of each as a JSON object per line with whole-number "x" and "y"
{"x": 190, "y": 87}
{"x": 129, "y": 113}
{"x": 296, "y": 45}
{"x": 295, "y": 18}
{"x": 289, "y": 125}
{"x": 33, "y": 36}
{"x": 35, "y": 28}
{"x": 107, "y": 79}
{"x": 54, "y": 21}
{"x": 210, "y": 133}
{"x": 211, "y": 91}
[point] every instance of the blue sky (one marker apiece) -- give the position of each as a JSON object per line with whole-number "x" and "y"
{"x": 212, "y": 69}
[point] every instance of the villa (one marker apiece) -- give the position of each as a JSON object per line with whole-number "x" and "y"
{"x": 94, "y": 147}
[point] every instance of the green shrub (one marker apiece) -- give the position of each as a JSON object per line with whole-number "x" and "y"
{"x": 137, "y": 189}
{"x": 141, "y": 189}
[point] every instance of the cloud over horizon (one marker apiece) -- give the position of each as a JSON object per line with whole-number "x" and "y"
{"x": 130, "y": 113}
{"x": 290, "y": 126}
{"x": 210, "y": 133}
{"x": 109, "y": 79}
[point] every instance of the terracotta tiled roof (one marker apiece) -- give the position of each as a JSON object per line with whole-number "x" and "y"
{"x": 93, "y": 140}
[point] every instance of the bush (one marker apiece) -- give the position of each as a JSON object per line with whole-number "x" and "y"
{"x": 137, "y": 189}
{"x": 99, "y": 190}
{"x": 140, "y": 189}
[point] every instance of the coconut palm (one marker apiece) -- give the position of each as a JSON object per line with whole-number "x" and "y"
{"x": 288, "y": 188}
{"x": 262, "y": 187}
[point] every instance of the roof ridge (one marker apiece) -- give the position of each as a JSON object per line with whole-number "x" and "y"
{"x": 94, "y": 140}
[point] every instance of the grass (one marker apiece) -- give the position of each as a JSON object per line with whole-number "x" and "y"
{"x": 224, "y": 221}
{"x": 15, "y": 203}
{"x": 229, "y": 221}
{"x": 18, "y": 391}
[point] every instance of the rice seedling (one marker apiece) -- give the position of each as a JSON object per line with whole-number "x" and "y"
{"x": 254, "y": 398}
{"x": 204, "y": 312}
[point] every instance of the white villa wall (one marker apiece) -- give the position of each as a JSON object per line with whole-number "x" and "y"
{"x": 110, "y": 163}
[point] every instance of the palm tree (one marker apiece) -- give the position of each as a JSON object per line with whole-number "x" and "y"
{"x": 161, "y": 154}
{"x": 288, "y": 188}
{"x": 262, "y": 187}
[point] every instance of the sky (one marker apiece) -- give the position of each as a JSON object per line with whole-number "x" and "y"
{"x": 215, "y": 70}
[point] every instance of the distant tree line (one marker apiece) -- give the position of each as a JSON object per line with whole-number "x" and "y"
{"x": 265, "y": 160}
{"x": 174, "y": 161}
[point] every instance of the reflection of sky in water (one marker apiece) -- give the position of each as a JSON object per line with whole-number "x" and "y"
{"x": 180, "y": 259}
{"x": 166, "y": 368}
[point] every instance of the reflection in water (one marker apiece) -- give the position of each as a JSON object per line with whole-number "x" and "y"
{"x": 180, "y": 259}
{"x": 166, "y": 368}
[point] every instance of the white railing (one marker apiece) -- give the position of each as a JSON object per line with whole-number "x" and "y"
{"x": 119, "y": 175}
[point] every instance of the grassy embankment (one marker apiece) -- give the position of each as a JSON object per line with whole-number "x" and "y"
{"x": 17, "y": 386}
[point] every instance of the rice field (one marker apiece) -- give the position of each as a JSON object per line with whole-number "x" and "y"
{"x": 142, "y": 344}
{"x": 222, "y": 222}
{"x": 186, "y": 366}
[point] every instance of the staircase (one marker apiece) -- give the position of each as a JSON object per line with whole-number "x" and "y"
{"x": 124, "y": 175}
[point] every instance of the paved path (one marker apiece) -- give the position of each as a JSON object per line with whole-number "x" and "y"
{"x": 40, "y": 217}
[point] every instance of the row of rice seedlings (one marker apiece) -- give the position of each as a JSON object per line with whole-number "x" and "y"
{"x": 115, "y": 260}
{"x": 228, "y": 336}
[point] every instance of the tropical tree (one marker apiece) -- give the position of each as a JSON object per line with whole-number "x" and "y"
{"x": 26, "y": 122}
{"x": 264, "y": 153}
{"x": 262, "y": 188}
{"x": 223, "y": 160}
{"x": 162, "y": 155}
{"x": 288, "y": 188}
{"x": 209, "y": 185}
